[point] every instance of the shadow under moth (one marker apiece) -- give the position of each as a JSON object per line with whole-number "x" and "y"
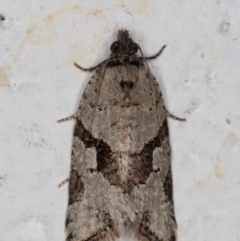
{"x": 120, "y": 165}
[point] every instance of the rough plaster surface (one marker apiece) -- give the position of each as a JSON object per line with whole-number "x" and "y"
{"x": 199, "y": 75}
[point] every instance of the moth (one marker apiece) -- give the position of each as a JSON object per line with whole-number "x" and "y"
{"x": 120, "y": 164}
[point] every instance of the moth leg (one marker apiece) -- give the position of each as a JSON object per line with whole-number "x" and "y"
{"x": 174, "y": 117}
{"x": 91, "y": 68}
{"x": 68, "y": 118}
{"x": 63, "y": 182}
{"x": 156, "y": 55}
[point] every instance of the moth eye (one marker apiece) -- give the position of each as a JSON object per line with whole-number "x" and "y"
{"x": 114, "y": 47}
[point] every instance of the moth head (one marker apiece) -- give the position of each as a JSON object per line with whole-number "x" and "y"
{"x": 124, "y": 45}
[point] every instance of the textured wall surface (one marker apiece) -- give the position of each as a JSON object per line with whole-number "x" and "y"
{"x": 199, "y": 75}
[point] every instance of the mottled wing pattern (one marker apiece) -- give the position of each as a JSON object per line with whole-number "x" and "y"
{"x": 85, "y": 220}
{"x": 120, "y": 169}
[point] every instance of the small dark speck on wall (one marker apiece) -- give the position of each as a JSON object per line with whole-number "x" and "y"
{"x": 1, "y": 18}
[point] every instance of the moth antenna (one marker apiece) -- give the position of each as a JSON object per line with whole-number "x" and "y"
{"x": 157, "y": 54}
{"x": 90, "y": 68}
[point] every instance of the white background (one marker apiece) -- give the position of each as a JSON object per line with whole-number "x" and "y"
{"x": 199, "y": 73}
